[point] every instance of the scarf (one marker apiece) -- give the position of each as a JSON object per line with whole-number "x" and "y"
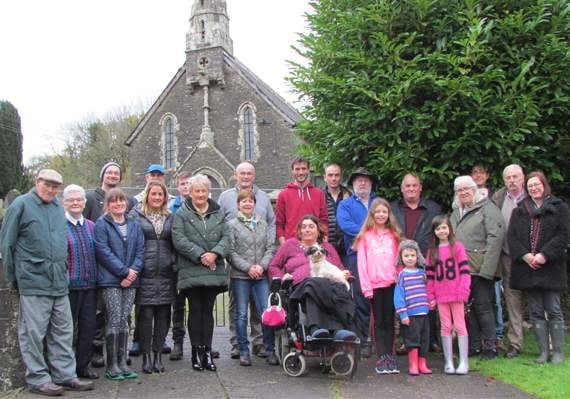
{"x": 535, "y": 214}
{"x": 157, "y": 221}
{"x": 250, "y": 223}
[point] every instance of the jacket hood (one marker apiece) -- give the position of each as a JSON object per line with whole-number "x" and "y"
{"x": 212, "y": 205}
{"x": 302, "y": 192}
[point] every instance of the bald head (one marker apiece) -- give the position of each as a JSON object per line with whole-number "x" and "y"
{"x": 411, "y": 189}
{"x": 245, "y": 175}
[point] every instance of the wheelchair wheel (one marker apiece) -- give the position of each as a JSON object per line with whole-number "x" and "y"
{"x": 281, "y": 344}
{"x": 294, "y": 364}
{"x": 342, "y": 363}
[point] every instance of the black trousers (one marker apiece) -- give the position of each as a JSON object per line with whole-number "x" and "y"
{"x": 383, "y": 311}
{"x": 481, "y": 320}
{"x": 178, "y": 329}
{"x": 416, "y": 335}
{"x": 200, "y": 314}
{"x": 153, "y": 322}
{"x": 83, "y": 310}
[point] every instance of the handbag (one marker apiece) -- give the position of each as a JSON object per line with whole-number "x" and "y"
{"x": 274, "y": 316}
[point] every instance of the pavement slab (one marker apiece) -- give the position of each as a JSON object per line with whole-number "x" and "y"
{"x": 264, "y": 381}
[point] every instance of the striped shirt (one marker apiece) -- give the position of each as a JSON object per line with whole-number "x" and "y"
{"x": 410, "y": 295}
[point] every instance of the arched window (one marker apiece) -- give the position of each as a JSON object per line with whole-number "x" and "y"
{"x": 169, "y": 150}
{"x": 248, "y": 134}
{"x": 248, "y": 138}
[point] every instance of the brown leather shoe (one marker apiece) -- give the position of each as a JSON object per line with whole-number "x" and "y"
{"x": 512, "y": 352}
{"x": 47, "y": 389}
{"x": 75, "y": 384}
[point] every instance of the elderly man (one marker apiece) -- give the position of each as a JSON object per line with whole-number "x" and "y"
{"x": 297, "y": 199}
{"x": 34, "y": 248}
{"x": 334, "y": 193}
{"x": 82, "y": 269}
{"x": 350, "y": 215}
{"x": 245, "y": 176}
{"x": 507, "y": 199}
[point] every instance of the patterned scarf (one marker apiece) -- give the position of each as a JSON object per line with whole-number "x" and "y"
{"x": 534, "y": 212}
{"x": 250, "y": 223}
{"x": 157, "y": 221}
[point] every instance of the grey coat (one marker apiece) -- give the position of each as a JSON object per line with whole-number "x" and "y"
{"x": 481, "y": 230}
{"x": 249, "y": 247}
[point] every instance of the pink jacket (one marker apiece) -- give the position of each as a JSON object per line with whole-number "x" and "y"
{"x": 449, "y": 280}
{"x": 291, "y": 258}
{"x": 377, "y": 254}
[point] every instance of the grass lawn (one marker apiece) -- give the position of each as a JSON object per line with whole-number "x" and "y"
{"x": 545, "y": 381}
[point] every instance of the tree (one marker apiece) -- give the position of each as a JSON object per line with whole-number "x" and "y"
{"x": 10, "y": 148}
{"x": 434, "y": 86}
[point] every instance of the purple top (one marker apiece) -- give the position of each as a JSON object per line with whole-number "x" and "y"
{"x": 291, "y": 258}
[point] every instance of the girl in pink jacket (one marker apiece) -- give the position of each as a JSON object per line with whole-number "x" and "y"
{"x": 448, "y": 282}
{"x": 377, "y": 252}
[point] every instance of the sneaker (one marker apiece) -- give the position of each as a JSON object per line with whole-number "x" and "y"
{"x": 382, "y": 365}
{"x": 392, "y": 365}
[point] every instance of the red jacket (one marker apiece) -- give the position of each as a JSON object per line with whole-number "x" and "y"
{"x": 294, "y": 202}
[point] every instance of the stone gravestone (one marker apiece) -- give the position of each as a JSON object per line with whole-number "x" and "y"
{"x": 12, "y": 368}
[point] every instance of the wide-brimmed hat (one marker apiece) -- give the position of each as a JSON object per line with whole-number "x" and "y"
{"x": 363, "y": 172}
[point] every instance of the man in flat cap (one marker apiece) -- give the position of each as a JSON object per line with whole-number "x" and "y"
{"x": 33, "y": 242}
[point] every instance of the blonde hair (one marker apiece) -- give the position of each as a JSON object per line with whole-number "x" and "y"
{"x": 369, "y": 222}
{"x": 164, "y": 207}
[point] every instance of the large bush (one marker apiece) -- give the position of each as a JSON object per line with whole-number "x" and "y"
{"x": 436, "y": 86}
{"x": 10, "y": 148}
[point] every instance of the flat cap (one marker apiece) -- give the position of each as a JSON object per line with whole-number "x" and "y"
{"x": 50, "y": 175}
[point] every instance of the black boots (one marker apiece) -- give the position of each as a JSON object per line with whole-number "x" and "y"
{"x": 197, "y": 353}
{"x": 207, "y": 361}
{"x": 177, "y": 351}
{"x": 157, "y": 366}
{"x": 146, "y": 363}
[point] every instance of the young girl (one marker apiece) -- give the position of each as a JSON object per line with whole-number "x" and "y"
{"x": 377, "y": 246}
{"x": 411, "y": 303}
{"x": 448, "y": 286}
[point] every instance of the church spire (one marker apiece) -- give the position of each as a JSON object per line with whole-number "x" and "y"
{"x": 209, "y": 26}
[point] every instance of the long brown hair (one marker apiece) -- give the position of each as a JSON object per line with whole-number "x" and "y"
{"x": 433, "y": 251}
{"x": 369, "y": 223}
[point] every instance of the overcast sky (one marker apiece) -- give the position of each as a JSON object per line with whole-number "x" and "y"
{"x": 64, "y": 61}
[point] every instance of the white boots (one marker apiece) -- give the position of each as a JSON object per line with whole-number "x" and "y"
{"x": 463, "y": 367}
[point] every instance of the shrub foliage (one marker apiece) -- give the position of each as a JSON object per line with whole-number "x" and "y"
{"x": 434, "y": 86}
{"x": 10, "y": 148}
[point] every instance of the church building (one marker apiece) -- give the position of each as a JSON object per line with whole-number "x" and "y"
{"x": 215, "y": 113}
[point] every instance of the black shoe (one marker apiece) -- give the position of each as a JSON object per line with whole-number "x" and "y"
{"x": 197, "y": 358}
{"x": 157, "y": 366}
{"x": 435, "y": 348}
{"x": 474, "y": 352}
{"x": 215, "y": 354}
{"x": 207, "y": 360}
{"x": 87, "y": 373}
{"x": 234, "y": 353}
{"x": 146, "y": 363}
{"x": 177, "y": 352}
{"x": 512, "y": 352}
{"x": 166, "y": 349}
{"x": 97, "y": 360}
{"x": 272, "y": 359}
{"x": 489, "y": 354}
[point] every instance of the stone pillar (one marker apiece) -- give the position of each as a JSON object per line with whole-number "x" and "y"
{"x": 12, "y": 368}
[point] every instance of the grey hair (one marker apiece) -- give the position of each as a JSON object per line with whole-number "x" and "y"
{"x": 468, "y": 181}
{"x": 73, "y": 188}
{"x": 199, "y": 179}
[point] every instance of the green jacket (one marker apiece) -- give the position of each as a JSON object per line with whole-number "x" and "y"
{"x": 33, "y": 242}
{"x": 192, "y": 235}
{"x": 481, "y": 230}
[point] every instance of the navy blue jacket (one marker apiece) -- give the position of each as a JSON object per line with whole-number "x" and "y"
{"x": 116, "y": 255}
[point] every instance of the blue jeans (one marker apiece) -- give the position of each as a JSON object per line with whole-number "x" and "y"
{"x": 259, "y": 290}
{"x": 499, "y": 323}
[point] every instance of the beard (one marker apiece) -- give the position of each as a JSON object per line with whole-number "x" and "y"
{"x": 361, "y": 193}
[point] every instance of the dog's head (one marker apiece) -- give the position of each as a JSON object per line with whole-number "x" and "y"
{"x": 316, "y": 253}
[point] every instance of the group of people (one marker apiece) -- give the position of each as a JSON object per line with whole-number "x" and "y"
{"x": 80, "y": 268}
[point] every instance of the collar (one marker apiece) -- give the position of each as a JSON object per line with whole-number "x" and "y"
{"x": 74, "y": 221}
{"x": 38, "y": 200}
{"x": 516, "y": 199}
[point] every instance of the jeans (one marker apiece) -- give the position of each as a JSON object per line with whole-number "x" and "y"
{"x": 178, "y": 329}
{"x": 498, "y": 307}
{"x": 259, "y": 289}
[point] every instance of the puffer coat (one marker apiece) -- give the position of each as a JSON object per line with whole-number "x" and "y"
{"x": 158, "y": 278}
{"x": 249, "y": 247}
{"x": 552, "y": 241}
{"x": 193, "y": 235}
{"x": 481, "y": 230}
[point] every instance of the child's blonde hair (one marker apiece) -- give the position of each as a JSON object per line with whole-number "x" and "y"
{"x": 370, "y": 224}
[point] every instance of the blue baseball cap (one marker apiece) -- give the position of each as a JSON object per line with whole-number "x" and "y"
{"x": 154, "y": 167}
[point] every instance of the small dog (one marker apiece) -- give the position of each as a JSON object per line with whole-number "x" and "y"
{"x": 320, "y": 267}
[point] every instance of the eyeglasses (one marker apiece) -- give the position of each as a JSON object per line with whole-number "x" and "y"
{"x": 533, "y": 185}
{"x": 73, "y": 200}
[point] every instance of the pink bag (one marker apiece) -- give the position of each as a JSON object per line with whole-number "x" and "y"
{"x": 274, "y": 316}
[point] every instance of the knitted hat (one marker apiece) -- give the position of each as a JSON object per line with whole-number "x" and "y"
{"x": 411, "y": 244}
{"x": 104, "y": 168}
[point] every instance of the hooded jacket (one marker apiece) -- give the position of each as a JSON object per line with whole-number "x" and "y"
{"x": 294, "y": 202}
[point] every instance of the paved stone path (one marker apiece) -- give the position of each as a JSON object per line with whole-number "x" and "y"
{"x": 263, "y": 381}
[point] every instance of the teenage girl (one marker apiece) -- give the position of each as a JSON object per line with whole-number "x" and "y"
{"x": 448, "y": 287}
{"x": 377, "y": 246}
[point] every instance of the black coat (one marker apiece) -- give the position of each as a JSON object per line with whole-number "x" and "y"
{"x": 422, "y": 234}
{"x": 158, "y": 277}
{"x": 552, "y": 243}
